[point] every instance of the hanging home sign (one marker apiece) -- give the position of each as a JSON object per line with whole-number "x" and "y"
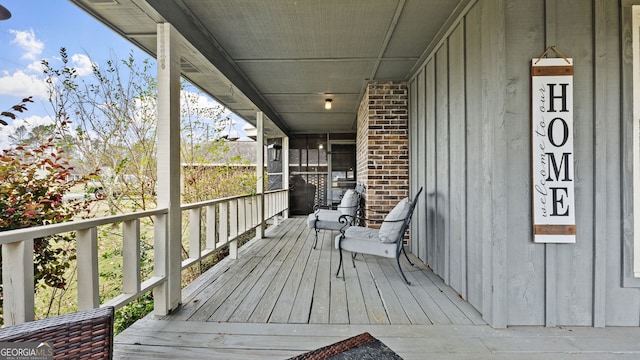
{"x": 552, "y": 150}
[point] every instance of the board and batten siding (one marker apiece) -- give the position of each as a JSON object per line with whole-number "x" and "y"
{"x": 471, "y": 151}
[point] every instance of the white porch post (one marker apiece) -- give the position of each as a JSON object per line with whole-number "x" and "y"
{"x": 168, "y": 296}
{"x": 285, "y": 172}
{"x": 260, "y": 174}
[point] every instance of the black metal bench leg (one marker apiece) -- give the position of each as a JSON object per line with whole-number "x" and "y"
{"x": 315, "y": 242}
{"x": 407, "y": 256}
{"x": 340, "y": 264}
{"x": 402, "y": 272}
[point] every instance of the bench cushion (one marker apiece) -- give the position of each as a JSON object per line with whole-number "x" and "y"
{"x": 326, "y": 220}
{"x": 349, "y": 203}
{"x": 391, "y": 226}
{"x": 365, "y": 240}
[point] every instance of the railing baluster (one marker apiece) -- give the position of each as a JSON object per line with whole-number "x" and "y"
{"x": 242, "y": 216}
{"x": 274, "y": 199}
{"x": 17, "y": 280}
{"x": 261, "y": 218}
{"x": 233, "y": 219}
{"x": 274, "y": 206}
{"x": 273, "y": 202}
{"x": 211, "y": 227}
{"x": 223, "y": 225}
{"x": 87, "y": 259}
{"x": 233, "y": 236}
{"x": 254, "y": 211}
{"x": 195, "y": 233}
{"x": 161, "y": 303}
{"x": 247, "y": 214}
{"x": 131, "y": 256}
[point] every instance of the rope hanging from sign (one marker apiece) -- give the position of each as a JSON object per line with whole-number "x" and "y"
{"x": 555, "y": 49}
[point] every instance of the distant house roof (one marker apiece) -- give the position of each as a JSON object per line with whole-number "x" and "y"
{"x": 246, "y": 150}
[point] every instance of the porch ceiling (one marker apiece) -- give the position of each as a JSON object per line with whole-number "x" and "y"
{"x": 286, "y": 57}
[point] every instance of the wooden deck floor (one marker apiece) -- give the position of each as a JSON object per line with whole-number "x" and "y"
{"x": 281, "y": 279}
{"x": 281, "y": 298}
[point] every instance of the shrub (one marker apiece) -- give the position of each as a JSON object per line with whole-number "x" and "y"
{"x": 33, "y": 182}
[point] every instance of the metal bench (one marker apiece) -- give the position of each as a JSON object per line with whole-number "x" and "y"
{"x": 328, "y": 219}
{"x": 386, "y": 241}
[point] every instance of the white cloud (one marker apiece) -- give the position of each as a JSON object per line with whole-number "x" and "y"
{"x": 28, "y": 42}
{"x": 29, "y": 123}
{"x": 21, "y": 84}
{"x": 82, "y": 63}
{"x": 36, "y": 67}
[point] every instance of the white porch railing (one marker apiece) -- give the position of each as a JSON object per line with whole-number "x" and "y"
{"x": 225, "y": 219}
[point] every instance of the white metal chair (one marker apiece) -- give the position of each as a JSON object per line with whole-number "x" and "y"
{"x": 328, "y": 219}
{"x": 386, "y": 241}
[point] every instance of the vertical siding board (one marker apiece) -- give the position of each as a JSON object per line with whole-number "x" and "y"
{"x": 526, "y": 286}
{"x": 442, "y": 165}
{"x": 494, "y": 152}
{"x": 430, "y": 143}
{"x": 627, "y": 149}
{"x": 457, "y": 145}
{"x": 575, "y": 262}
{"x": 413, "y": 161}
{"x": 475, "y": 195}
{"x": 621, "y": 304}
{"x": 601, "y": 154}
{"x": 422, "y": 168}
{"x": 628, "y": 279}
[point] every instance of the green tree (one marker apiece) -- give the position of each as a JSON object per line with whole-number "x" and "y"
{"x": 208, "y": 172}
{"x": 109, "y": 122}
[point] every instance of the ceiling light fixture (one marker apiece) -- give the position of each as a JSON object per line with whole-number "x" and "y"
{"x": 327, "y": 104}
{"x": 4, "y": 13}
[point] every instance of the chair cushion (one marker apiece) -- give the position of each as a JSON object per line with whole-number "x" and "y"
{"x": 348, "y": 203}
{"x": 390, "y": 229}
{"x": 326, "y": 219}
{"x": 366, "y": 241}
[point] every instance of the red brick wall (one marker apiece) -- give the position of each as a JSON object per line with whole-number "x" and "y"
{"x": 383, "y": 145}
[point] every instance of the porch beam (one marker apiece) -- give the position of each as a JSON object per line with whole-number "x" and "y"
{"x": 168, "y": 155}
{"x": 208, "y": 47}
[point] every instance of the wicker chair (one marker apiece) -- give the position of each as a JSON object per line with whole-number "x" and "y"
{"x": 82, "y": 335}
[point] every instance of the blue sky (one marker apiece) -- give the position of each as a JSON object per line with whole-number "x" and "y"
{"x": 37, "y": 30}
